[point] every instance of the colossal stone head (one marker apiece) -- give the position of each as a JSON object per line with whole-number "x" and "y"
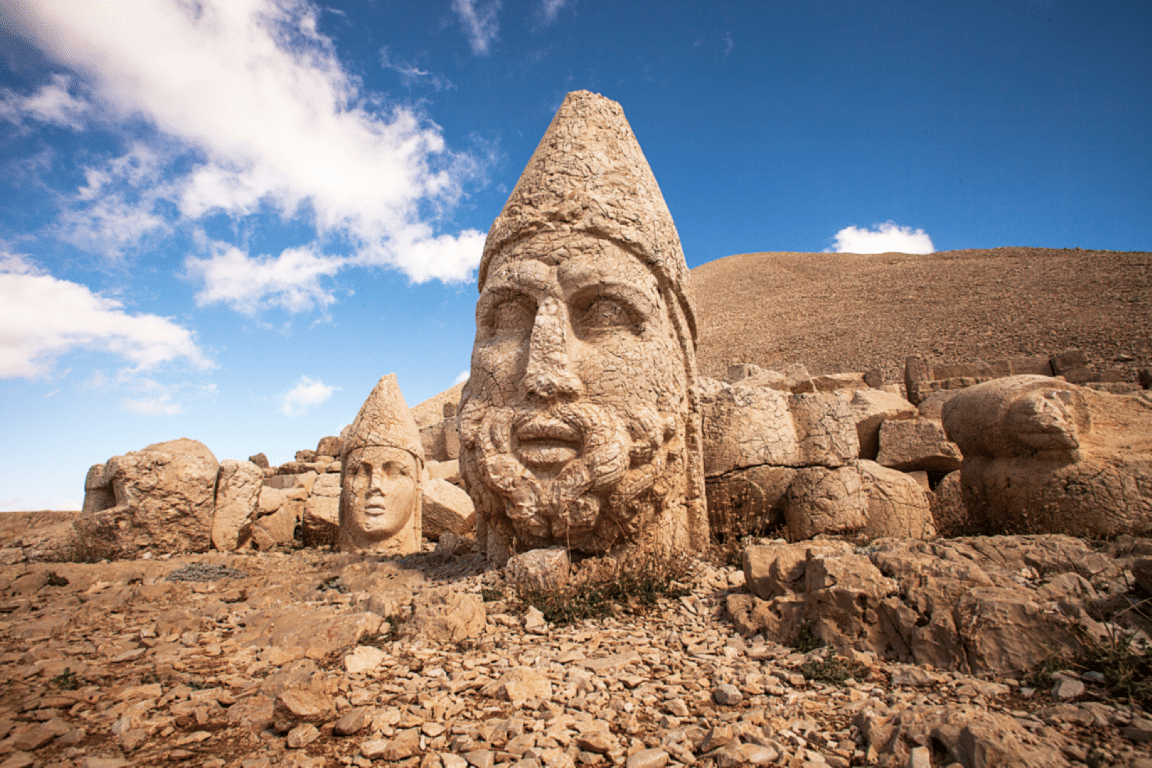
{"x": 381, "y": 472}
{"x": 580, "y": 422}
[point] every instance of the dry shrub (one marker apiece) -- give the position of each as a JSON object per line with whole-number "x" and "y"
{"x": 601, "y": 586}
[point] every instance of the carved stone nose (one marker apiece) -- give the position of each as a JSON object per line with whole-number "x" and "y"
{"x": 548, "y": 373}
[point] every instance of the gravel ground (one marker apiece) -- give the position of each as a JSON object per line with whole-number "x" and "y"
{"x": 838, "y": 312}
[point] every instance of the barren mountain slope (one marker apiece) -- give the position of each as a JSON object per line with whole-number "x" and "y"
{"x": 837, "y": 312}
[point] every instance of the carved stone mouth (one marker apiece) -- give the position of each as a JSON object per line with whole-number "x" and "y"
{"x": 546, "y": 442}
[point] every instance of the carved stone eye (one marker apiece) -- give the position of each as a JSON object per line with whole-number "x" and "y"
{"x": 512, "y": 314}
{"x": 606, "y": 313}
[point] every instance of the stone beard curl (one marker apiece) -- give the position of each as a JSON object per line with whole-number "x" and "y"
{"x": 606, "y": 495}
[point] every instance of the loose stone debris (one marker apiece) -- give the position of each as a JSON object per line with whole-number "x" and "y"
{"x": 270, "y": 659}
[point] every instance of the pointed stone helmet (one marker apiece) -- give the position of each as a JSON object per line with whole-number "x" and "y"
{"x": 385, "y": 420}
{"x": 589, "y": 175}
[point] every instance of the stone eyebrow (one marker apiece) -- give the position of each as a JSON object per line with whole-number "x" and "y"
{"x": 506, "y": 279}
{"x": 579, "y": 282}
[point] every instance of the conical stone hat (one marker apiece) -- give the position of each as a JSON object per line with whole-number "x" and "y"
{"x": 589, "y": 175}
{"x": 385, "y": 420}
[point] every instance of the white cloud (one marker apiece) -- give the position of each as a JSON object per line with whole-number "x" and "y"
{"x": 42, "y": 318}
{"x": 883, "y": 238}
{"x": 250, "y": 111}
{"x": 479, "y": 22}
{"x": 156, "y": 405}
{"x": 293, "y": 281}
{"x": 305, "y": 395}
{"x": 53, "y": 104}
{"x": 411, "y": 75}
{"x": 463, "y": 377}
{"x": 550, "y": 9}
{"x": 424, "y": 257}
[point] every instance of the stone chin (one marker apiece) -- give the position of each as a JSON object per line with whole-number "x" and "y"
{"x": 586, "y": 476}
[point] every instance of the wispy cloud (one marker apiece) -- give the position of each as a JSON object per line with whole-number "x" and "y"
{"x": 882, "y": 238}
{"x": 411, "y": 75}
{"x": 479, "y": 22}
{"x": 242, "y": 108}
{"x": 463, "y": 377}
{"x": 307, "y": 394}
{"x": 294, "y": 280}
{"x": 42, "y": 318}
{"x": 550, "y": 9}
{"x": 53, "y": 104}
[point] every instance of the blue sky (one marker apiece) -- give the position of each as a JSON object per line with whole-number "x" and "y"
{"x": 227, "y": 219}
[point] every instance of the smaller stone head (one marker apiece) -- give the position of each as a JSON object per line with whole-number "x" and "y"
{"x": 381, "y": 475}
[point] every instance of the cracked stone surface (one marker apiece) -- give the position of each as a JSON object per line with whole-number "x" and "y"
{"x": 1045, "y": 456}
{"x": 580, "y": 422}
{"x": 381, "y": 477}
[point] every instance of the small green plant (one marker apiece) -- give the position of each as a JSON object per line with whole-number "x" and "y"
{"x": 1126, "y": 666}
{"x": 1095, "y": 758}
{"x": 333, "y": 582}
{"x": 1042, "y": 677}
{"x": 56, "y": 580}
{"x": 632, "y": 584}
{"x": 834, "y": 670}
{"x": 491, "y": 595}
{"x": 807, "y": 640}
{"x": 65, "y": 681}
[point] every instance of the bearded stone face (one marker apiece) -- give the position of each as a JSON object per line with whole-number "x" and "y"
{"x": 572, "y": 423}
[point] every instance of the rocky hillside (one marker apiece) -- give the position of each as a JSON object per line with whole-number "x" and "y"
{"x": 838, "y": 312}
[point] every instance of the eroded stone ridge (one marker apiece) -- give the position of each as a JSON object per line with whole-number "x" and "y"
{"x": 382, "y": 473}
{"x": 580, "y": 423}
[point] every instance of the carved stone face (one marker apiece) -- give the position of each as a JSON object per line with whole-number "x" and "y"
{"x": 381, "y": 494}
{"x": 577, "y": 399}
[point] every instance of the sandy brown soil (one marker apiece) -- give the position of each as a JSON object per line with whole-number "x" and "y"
{"x": 837, "y": 312}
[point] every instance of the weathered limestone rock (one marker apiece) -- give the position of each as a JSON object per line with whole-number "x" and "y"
{"x": 278, "y": 516}
{"x": 870, "y": 409}
{"x": 445, "y": 470}
{"x": 542, "y": 569}
{"x": 329, "y": 446}
{"x": 446, "y": 616}
{"x": 948, "y": 511}
{"x": 520, "y": 684}
{"x": 793, "y": 379}
{"x": 260, "y": 460}
{"x": 317, "y": 634}
{"x": 740, "y": 371}
{"x": 320, "y": 522}
{"x": 446, "y": 509}
{"x": 822, "y": 500}
{"x": 98, "y": 494}
{"x": 831, "y": 382}
{"x": 897, "y": 506}
{"x": 595, "y": 447}
{"x": 746, "y": 427}
{"x": 953, "y": 605}
{"x": 238, "y": 487}
{"x": 165, "y": 498}
{"x": 917, "y": 444}
{"x": 747, "y": 501}
{"x": 1050, "y": 457}
{"x": 383, "y": 468}
{"x": 825, "y": 429}
{"x": 967, "y": 736}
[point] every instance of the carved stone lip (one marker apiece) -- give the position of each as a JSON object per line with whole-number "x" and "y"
{"x": 543, "y": 442}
